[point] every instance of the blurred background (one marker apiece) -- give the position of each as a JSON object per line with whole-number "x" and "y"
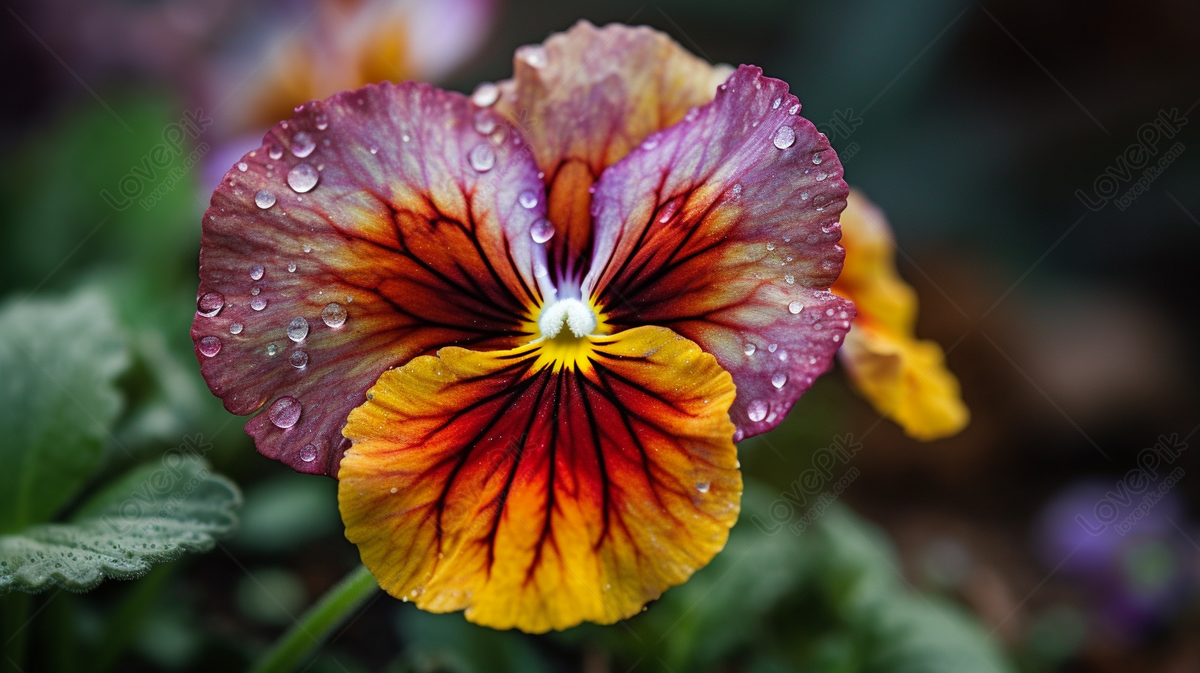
{"x": 1001, "y": 139}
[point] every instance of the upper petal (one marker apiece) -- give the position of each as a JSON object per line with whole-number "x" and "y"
{"x": 904, "y": 378}
{"x": 370, "y": 228}
{"x": 724, "y": 228}
{"x": 538, "y": 497}
{"x": 585, "y": 98}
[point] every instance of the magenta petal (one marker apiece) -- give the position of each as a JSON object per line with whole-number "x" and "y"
{"x": 724, "y": 228}
{"x": 372, "y": 227}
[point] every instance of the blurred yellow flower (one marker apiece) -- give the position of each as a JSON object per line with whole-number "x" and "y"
{"x": 904, "y": 378}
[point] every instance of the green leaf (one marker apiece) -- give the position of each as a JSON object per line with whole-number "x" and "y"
{"x": 58, "y": 401}
{"x": 153, "y": 514}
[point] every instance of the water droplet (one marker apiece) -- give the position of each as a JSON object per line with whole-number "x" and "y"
{"x": 784, "y": 137}
{"x": 210, "y": 304}
{"x": 275, "y": 152}
{"x": 264, "y": 199}
{"x": 749, "y": 349}
{"x": 242, "y": 166}
{"x": 297, "y": 329}
{"x": 298, "y": 359}
{"x": 816, "y": 159}
{"x": 837, "y": 338}
{"x": 302, "y": 178}
{"x": 256, "y": 272}
{"x": 702, "y": 486}
{"x": 292, "y": 267}
{"x": 322, "y": 122}
{"x": 775, "y": 104}
{"x": 482, "y": 158}
{"x": 789, "y": 279}
{"x": 284, "y": 412}
{"x": 738, "y": 434}
{"x": 271, "y": 349}
{"x": 770, "y": 246}
{"x": 772, "y": 348}
{"x": 209, "y": 346}
{"x": 309, "y": 453}
{"x": 374, "y": 150}
{"x": 649, "y": 143}
{"x": 534, "y": 55}
{"x": 755, "y": 412}
{"x": 307, "y": 249}
{"x": 794, "y": 109}
{"x": 486, "y": 94}
{"x": 235, "y": 328}
{"x": 803, "y": 196}
{"x": 821, "y": 176}
{"x": 303, "y": 145}
{"x": 255, "y": 291}
{"x": 528, "y": 199}
{"x": 541, "y": 231}
{"x": 795, "y": 307}
{"x": 333, "y": 315}
{"x": 485, "y": 123}
{"x": 737, "y": 189}
{"x": 405, "y": 137}
{"x": 258, "y": 303}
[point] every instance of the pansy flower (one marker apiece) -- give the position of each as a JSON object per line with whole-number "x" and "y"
{"x": 525, "y": 328}
{"x": 903, "y": 377}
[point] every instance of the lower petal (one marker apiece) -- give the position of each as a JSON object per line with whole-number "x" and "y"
{"x": 538, "y": 497}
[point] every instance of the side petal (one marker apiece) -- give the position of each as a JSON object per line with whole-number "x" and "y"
{"x": 539, "y": 497}
{"x": 370, "y": 228}
{"x": 904, "y": 378}
{"x": 585, "y": 98}
{"x": 724, "y": 228}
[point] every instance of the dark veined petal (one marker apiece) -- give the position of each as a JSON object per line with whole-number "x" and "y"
{"x": 535, "y": 494}
{"x": 585, "y": 98}
{"x": 724, "y": 228}
{"x": 372, "y": 227}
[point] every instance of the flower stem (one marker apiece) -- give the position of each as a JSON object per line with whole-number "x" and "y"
{"x": 315, "y": 625}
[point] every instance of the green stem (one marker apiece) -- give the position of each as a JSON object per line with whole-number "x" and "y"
{"x": 14, "y": 634}
{"x": 315, "y": 625}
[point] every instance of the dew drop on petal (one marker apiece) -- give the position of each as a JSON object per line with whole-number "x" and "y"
{"x": 292, "y": 267}
{"x": 772, "y": 348}
{"x": 235, "y": 328}
{"x": 303, "y": 144}
{"x": 298, "y": 359}
{"x": 482, "y": 158}
{"x": 258, "y": 303}
{"x": 784, "y": 137}
{"x": 816, "y": 159}
{"x": 255, "y": 291}
{"x": 374, "y": 150}
{"x": 302, "y": 178}
{"x": 821, "y": 176}
{"x": 242, "y": 166}
{"x": 775, "y": 105}
{"x": 749, "y": 349}
{"x": 209, "y": 346}
{"x": 333, "y": 315}
{"x": 264, "y": 199}
{"x": 210, "y": 304}
{"x": 755, "y": 412}
{"x": 534, "y": 55}
{"x": 309, "y": 453}
{"x": 275, "y": 152}
{"x": 486, "y": 94}
{"x": 803, "y": 196}
{"x": 702, "y": 486}
{"x": 541, "y": 231}
{"x": 322, "y": 122}
{"x": 789, "y": 279}
{"x": 794, "y": 109}
{"x": 779, "y": 379}
{"x": 297, "y": 329}
{"x": 485, "y": 123}
{"x": 528, "y": 199}
{"x": 284, "y": 412}
{"x": 256, "y": 272}
{"x": 271, "y": 349}
{"x": 795, "y": 307}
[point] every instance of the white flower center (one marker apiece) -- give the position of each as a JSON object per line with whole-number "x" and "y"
{"x": 571, "y": 313}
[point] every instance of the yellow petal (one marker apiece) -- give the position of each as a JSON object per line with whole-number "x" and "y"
{"x": 904, "y": 378}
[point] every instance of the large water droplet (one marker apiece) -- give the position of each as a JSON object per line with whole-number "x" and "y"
{"x": 258, "y": 303}
{"x": 235, "y": 328}
{"x": 284, "y": 412}
{"x": 482, "y": 158}
{"x": 755, "y": 412}
{"x": 264, "y": 199}
{"x": 784, "y": 137}
{"x": 749, "y": 349}
{"x": 816, "y": 159}
{"x": 209, "y": 346}
{"x": 541, "y": 231}
{"x": 303, "y": 144}
{"x": 309, "y": 453}
{"x": 302, "y": 178}
{"x": 333, "y": 315}
{"x": 485, "y": 123}
{"x": 528, "y": 199}
{"x": 795, "y": 307}
{"x": 779, "y": 379}
{"x": 256, "y": 272}
{"x": 210, "y": 304}
{"x": 297, "y": 329}
{"x": 486, "y": 94}
{"x": 298, "y": 359}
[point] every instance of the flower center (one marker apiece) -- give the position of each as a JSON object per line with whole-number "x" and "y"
{"x": 577, "y": 317}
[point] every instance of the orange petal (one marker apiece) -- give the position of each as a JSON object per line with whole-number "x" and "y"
{"x": 585, "y": 98}
{"x": 538, "y": 497}
{"x": 902, "y": 377}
